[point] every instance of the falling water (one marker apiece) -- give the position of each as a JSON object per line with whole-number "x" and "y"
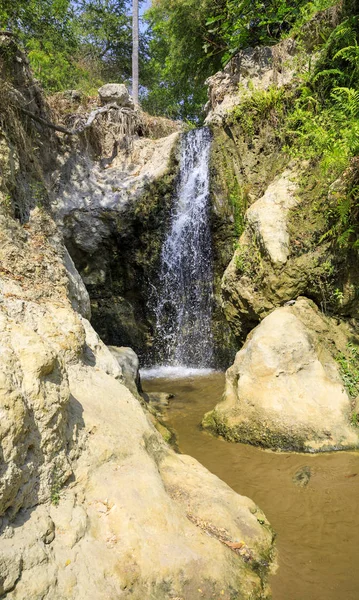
{"x": 184, "y": 301}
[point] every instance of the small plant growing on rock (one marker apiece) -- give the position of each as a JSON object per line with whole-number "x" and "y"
{"x": 349, "y": 369}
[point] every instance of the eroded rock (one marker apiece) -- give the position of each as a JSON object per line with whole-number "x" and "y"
{"x": 130, "y": 367}
{"x": 267, "y": 217}
{"x": 284, "y": 390}
{"x": 115, "y": 92}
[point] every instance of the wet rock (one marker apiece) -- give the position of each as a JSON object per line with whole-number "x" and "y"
{"x": 159, "y": 399}
{"x": 302, "y": 477}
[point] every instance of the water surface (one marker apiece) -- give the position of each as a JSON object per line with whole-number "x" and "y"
{"x": 317, "y": 525}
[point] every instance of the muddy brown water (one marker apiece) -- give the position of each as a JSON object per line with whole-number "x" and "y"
{"x": 317, "y": 525}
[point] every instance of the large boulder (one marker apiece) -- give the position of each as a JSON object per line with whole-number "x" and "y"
{"x": 117, "y": 93}
{"x": 284, "y": 390}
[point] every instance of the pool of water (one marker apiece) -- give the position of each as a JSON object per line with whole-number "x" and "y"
{"x": 317, "y": 525}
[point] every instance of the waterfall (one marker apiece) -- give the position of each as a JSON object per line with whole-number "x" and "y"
{"x": 184, "y": 300}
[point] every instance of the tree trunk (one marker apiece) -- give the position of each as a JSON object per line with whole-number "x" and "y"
{"x": 135, "y": 22}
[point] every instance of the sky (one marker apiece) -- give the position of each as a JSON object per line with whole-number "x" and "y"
{"x": 143, "y": 7}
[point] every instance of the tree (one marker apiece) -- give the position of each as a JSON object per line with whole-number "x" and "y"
{"x": 135, "y": 47}
{"x": 45, "y": 28}
{"x": 104, "y": 31}
{"x": 178, "y": 64}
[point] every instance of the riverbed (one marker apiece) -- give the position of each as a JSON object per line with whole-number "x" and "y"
{"x": 316, "y": 519}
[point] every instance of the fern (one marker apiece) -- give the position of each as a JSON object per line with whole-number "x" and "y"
{"x": 347, "y": 99}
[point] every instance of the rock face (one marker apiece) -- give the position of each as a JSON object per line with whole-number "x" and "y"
{"x": 259, "y": 276}
{"x": 262, "y": 67}
{"x": 113, "y": 213}
{"x": 134, "y": 523}
{"x": 267, "y": 218}
{"x": 284, "y": 389}
{"x": 93, "y": 503}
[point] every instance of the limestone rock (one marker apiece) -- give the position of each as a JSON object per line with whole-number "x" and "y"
{"x": 284, "y": 389}
{"x": 138, "y": 518}
{"x": 260, "y": 277}
{"x": 115, "y": 92}
{"x": 158, "y": 399}
{"x": 267, "y": 217}
{"x": 130, "y": 367}
{"x": 252, "y": 68}
{"x": 78, "y": 294}
{"x": 98, "y": 355}
{"x": 113, "y": 222}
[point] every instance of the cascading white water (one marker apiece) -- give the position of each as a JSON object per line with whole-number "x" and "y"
{"x": 184, "y": 300}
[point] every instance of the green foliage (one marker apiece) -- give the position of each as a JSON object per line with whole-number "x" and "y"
{"x": 239, "y": 24}
{"x": 104, "y": 30}
{"x": 73, "y": 43}
{"x": 45, "y": 27}
{"x": 323, "y": 126}
{"x": 192, "y": 39}
{"x": 178, "y": 66}
{"x": 349, "y": 369}
{"x": 258, "y": 106}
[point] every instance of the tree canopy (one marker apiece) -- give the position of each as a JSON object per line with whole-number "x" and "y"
{"x": 84, "y": 43}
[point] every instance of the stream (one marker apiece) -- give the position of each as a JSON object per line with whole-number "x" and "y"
{"x": 316, "y": 524}
{"x": 311, "y": 501}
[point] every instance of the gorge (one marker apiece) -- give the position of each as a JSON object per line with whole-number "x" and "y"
{"x": 194, "y": 249}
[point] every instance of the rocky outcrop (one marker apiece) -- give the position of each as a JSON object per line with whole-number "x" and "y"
{"x": 115, "y": 92}
{"x": 125, "y": 522}
{"x": 130, "y": 367}
{"x": 260, "y": 275}
{"x": 284, "y": 389}
{"x": 280, "y": 216}
{"x": 253, "y": 68}
{"x": 112, "y": 205}
{"x": 263, "y": 67}
{"x": 267, "y": 218}
{"x": 132, "y": 520}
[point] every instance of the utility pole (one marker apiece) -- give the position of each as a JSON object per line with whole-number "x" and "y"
{"x": 135, "y": 36}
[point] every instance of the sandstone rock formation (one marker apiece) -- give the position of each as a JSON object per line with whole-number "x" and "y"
{"x": 284, "y": 389}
